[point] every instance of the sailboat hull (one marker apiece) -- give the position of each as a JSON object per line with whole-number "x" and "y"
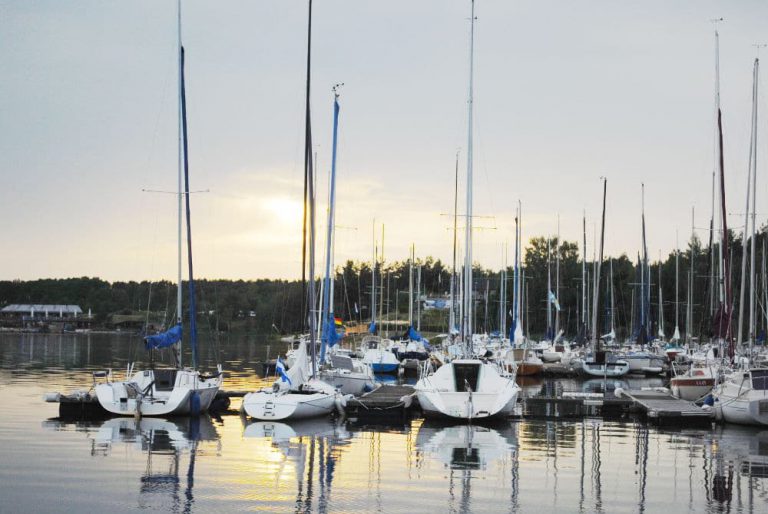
{"x": 267, "y": 405}
{"x": 144, "y": 394}
{"x": 467, "y": 390}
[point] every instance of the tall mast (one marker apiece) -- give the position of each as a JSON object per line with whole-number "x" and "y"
{"x": 584, "y": 273}
{"x": 596, "y": 295}
{"x": 661, "y": 303}
{"x": 467, "y": 322}
{"x": 613, "y": 304}
{"x": 308, "y": 249}
{"x": 373, "y": 280}
{"x": 692, "y": 273}
{"x": 410, "y": 288}
{"x": 642, "y": 268}
{"x": 557, "y": 277}
{"x": 503, "y": 294}
{"x": 452, "y": 320}
{"x": 549, "y": 336}
{"x": 724, "y": 312}
{"x": 328, "y": 327}
{"x": 752, "y": 269}
{"x": 181, "y": 178}
{"x": 676, "y": 335}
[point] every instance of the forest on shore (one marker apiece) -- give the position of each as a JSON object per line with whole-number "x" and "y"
{"x": 276, "y": 306}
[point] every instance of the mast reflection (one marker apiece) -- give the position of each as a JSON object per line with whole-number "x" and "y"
{"x": 312, "y": 447}
{"x": 467, "y": 451}
{"x": 164, "y": 442}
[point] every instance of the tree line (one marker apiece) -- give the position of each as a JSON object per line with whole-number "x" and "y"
{"x": 277, "y": 306}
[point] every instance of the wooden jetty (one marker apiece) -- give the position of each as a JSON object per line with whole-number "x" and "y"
{"x": 386, "y": 403}
{"x": 662, "y": 408}
{"x": 574, "y": 405}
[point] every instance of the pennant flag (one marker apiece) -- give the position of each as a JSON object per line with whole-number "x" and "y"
{"x": 164, "y": 339}
{"x": 357, "y": 311}
{"x": 553, "y": 300}
{"x": 338, "y": 322}
{"x": 280, "y": 368}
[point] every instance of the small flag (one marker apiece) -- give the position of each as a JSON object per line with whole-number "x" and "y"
{"x": 338, "y": 322}
{"x": 356, "y": 309}
{"x": 280, "y": 368}
{"x": 553, "y": 300}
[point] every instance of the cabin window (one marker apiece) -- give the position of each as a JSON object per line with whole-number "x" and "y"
{"x": 466, "y": 376}
{"x": 760, "y": 379}
{"x": 165, "y": 379}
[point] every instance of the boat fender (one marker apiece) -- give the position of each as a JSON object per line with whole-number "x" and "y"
{"x": 618, "y": 392}
{"x": 709, "y": 400}
{"x": 340, "y": 402}
{"x": 407, "y": 400}
{"x": 194, "y": 403}
{"x": 52, "y": 397}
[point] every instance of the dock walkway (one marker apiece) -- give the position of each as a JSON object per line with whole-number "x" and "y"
{"x": 387, "y": 402}
{"x": 664, "y": 409}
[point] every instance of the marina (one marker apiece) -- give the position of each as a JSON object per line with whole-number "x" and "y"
{"x": 332, "y": 465}
{"x": 479, "y": 256}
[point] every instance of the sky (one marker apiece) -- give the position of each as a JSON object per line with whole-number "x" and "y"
{"x": 565, "y": 93}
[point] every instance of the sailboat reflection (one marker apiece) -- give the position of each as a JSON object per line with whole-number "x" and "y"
{"x": 164, "y": 442}
{"x": 465, "y": 449}
{"x": 311, "y": 447}
{"x": 732, "y": 455}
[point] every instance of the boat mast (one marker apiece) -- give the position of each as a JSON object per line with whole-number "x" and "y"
{"x": 661, "y": 303}
{"x": 192, "y": 303}
{"x": 373, "y": 328}
{"x": 676, "y": 334}
{"x": 328, "y": 327}
{"x": 549, "y": 291}
{"x": 181, "y": 179}
{"x": 467, "y": 321}
{"x": 613, "y": 304}
{"x": 308, "y": 251}
{"x": 452, "y": 320}
{"x": 584, "y": 273}
{"x": 596, "y": 295}
{"x": 410, "y": 288}
{"x": 724, "y": 313}
{"x": 752, "y": 269}
{"x": 557, "y": 278}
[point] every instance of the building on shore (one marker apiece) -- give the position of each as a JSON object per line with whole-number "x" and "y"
{"x": 45, "y": 317}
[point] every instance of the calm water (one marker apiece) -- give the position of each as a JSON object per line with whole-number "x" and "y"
{"x": 230, "y": 464}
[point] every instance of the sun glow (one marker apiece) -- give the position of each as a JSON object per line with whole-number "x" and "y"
{"x": 284, "y": 209}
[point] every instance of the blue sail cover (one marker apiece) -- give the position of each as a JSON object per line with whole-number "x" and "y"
{"x": 413, "y": 334}
{"x": 330, "y": 336}
{"x": 372, "y": 327}
{"x": 164, "y": 339}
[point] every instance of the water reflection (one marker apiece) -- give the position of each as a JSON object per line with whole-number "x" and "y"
{"x": 164, "y": 481}
{"x": 467, "y": 451}
{"x": 312, "y": 448}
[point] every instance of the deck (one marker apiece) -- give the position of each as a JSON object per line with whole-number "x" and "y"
{"x": 664, "y": 409}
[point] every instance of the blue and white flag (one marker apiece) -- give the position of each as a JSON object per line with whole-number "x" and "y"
{"x": 280, "y": 368}
{"x": 553, "y": 300}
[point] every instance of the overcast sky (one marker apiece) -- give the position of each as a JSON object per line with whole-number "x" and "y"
{"x": 566, "y": 92}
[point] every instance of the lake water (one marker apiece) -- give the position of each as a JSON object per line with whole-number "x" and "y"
{"x": 230, "y": 464}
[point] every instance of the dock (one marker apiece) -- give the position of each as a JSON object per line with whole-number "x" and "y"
{"x": 386, "y": 403}
{"x": 661, "y": 408}
{"x": 569, "y": 405}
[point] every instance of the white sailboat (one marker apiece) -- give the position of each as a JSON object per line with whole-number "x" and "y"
{"x": 178, "y": 390}
{"x": 743, "y": 395}
{"x": 468, "y": 388}
{"x": 299, "y": 393}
